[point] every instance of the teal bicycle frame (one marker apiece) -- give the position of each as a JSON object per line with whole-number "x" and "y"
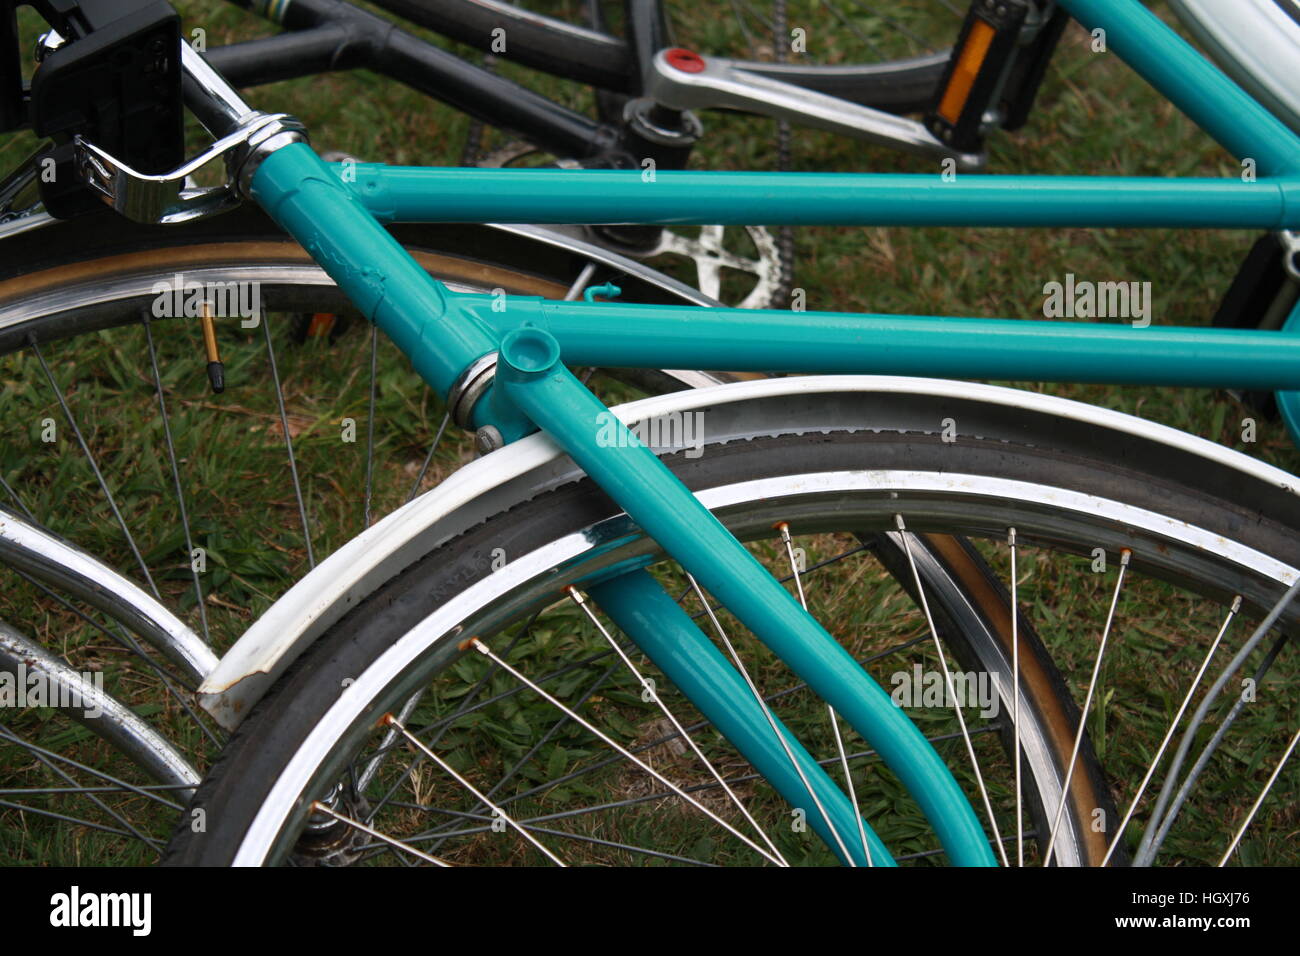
{"x": 336, "y": 212}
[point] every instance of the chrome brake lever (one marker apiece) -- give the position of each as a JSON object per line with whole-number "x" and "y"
{"x": 249, "y": 136}
{"x": 165, "y": 198}
{"x": 683, "y": 80}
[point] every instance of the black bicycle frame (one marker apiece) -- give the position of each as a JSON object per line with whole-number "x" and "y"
{"x": 329, "y": 35}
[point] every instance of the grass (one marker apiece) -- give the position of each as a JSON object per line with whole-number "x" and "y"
{"x": 1093, "y": 116}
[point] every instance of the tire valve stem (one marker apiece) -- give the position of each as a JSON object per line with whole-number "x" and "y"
{"x": 216, "y": 370}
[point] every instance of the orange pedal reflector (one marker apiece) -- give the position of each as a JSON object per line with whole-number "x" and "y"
{"x": 968, "y": 68}
{"x": 322, "y": 323}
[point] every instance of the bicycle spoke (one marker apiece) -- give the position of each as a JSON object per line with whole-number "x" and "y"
{"x": 1015, "y": 700}
{"x": 1124, "y": 559}
{"x": 699, "y": 725}
{"x": 391, "y": 721}
{"x": 898, "y": 25}
{"x": 461, "y": 708}
{"x": 532, "y": 827}
{"x": 129, "y": 643}
{"x": 288, "y": 443}
{"x": 766, "y": 24}
{"x": 1260, "y": 799}
{"x": 938, "y": 851}
{"x": 51, "y": 762}
{"x": 554, "y": 729}
{"x": 358, "y": 825}
{"x": 649, "y": 690}
{"x": 93, "y": 798}
{"x": 774, "y": 696}
{"x": 750, "y": 41}
{"x": 855, "y": 30}
{"x": 18, "y": 503}
{"x": 459, "y": 824}
{"x": 830, "y": 711}
{"x": 176, "y": 475}
{"x": 442, "y": 725}
{"x": 591, "y": 728}
{"x": 1158, "y": 825}
{"x": 419, "y": 479}
{"x": 599, "y": 655}
{"x": 370, "y": 424}
{"x": 36, "y": 749}
{"x": 771, "y": 721}
{"x": 64, "y": 818}
{"x": 1173, "y": 726}
{"x": 441, "y": 832}
{"x": 951, "y": 688}
{"x": 1210, "y": 748}
{"x": 390, "y": 738}
{"x": 819, "y": 566}
{"x": 94, "y": 466}
{"x": 43, "y": 791}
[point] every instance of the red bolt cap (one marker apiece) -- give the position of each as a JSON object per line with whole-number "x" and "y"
{"x": 687, "y": 61}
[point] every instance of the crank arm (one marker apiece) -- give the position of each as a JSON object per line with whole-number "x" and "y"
{"x": 682, "y": 80}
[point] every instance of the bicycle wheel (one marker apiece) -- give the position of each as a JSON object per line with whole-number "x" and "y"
{"x": 1253, "y": 41}
{"x": 480, "y": 765}
{"x": 887, "y": 55}
{"x": 210, "y": 505}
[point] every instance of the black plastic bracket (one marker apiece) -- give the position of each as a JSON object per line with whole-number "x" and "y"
{"x": 13, "y": 97}
{"x": 115, "y": 80}
{"x": 1030, "y": 68}
{"x": 1261, "y": 295}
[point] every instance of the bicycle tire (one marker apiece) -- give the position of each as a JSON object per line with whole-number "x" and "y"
{"x": 287, "y": 716}
{"x": 64, "y": 280}
{"x": 30, "y": 268}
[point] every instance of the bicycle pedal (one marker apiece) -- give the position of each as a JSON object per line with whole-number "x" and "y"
{"x": 996, "y": 69}
{"x": 1029, "y": 68}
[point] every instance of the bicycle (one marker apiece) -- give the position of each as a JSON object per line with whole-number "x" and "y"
{"x": 647, "y": 89}
{"x": 107, "y": 284}
{"x": 784, "y": 453}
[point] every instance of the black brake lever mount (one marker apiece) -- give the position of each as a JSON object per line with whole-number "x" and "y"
{"x": 110, "y": 74}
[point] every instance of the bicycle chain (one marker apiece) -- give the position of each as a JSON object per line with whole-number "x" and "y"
{"x": 784, "y": 164}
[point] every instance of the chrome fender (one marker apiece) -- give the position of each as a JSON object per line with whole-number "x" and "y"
{"x": 535, "y": 464}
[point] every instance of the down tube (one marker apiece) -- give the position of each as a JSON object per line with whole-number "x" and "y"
{"x": 531, "y": 378}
